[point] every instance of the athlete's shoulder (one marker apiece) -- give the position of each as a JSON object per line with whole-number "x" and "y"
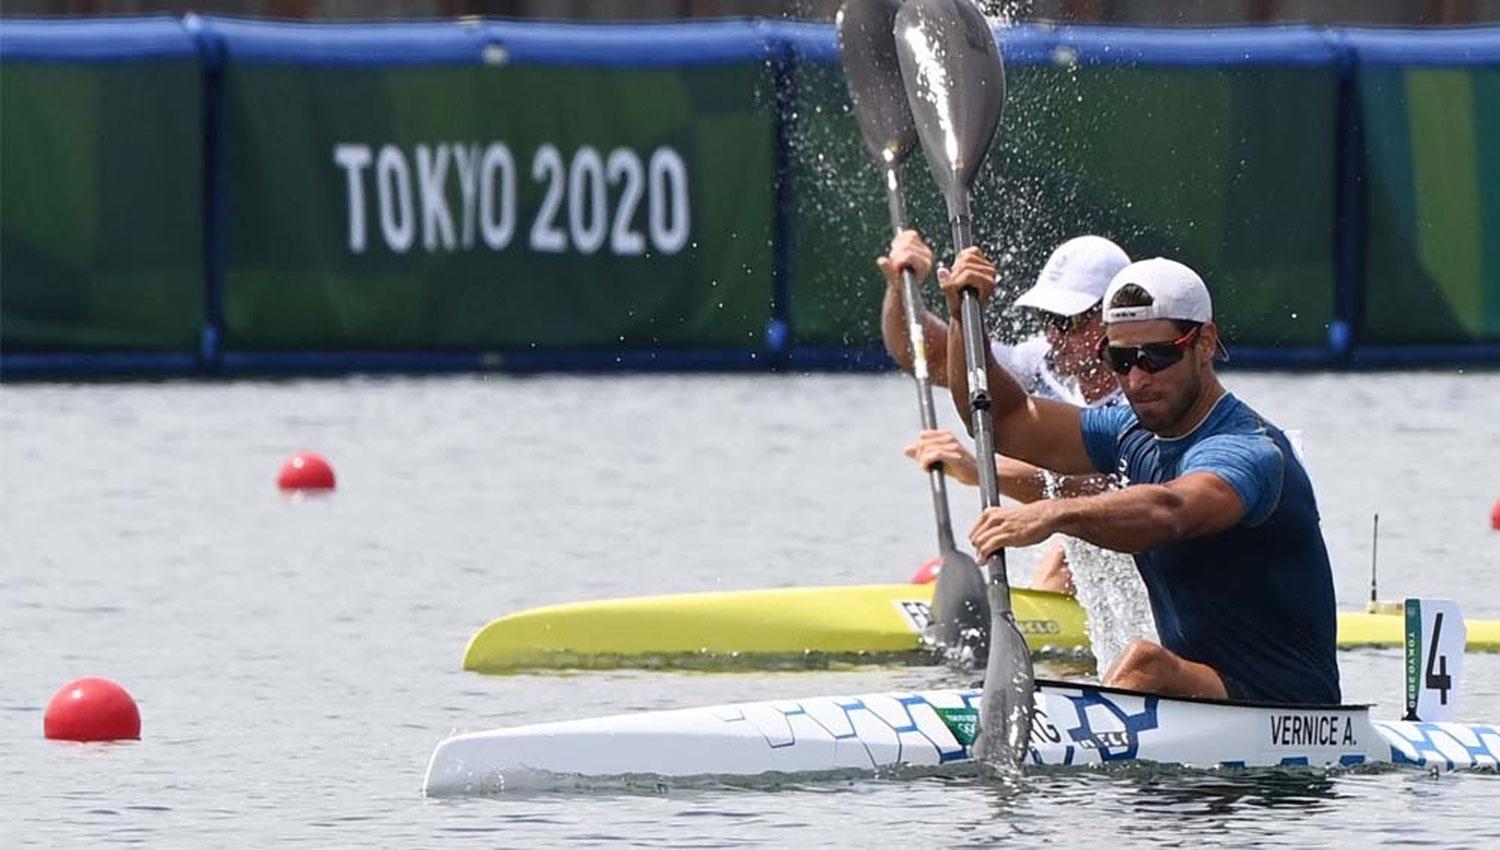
{"x": 1231, "y": 415}
{"x": 1117, "y": 419}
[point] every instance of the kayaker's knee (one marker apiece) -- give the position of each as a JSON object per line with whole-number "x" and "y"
{"x": 1147, "y": 666}
{"x": 1140, "y": 666}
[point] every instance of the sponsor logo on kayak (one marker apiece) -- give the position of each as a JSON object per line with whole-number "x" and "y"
{"x": 1109, "y": 727}
{"x": 916, "y": 614}
{"x": 1039, "y": 627}
{"x": 962, "y": 722}
{"x": 1312, "y": 730}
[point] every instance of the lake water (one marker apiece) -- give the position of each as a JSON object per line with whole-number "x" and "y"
{"x": 295, "y": 661}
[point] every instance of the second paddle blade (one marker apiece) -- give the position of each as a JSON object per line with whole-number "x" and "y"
{"x": 1009, "y": 691}
{"x": 960, "y": 611}
{"x": 868, "y": 50}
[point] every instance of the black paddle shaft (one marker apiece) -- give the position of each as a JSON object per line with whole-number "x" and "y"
{"x": 975, "y": 361}
{"x": 868, "y": 53}
{"x": 960, "y": 613}
{"x": 920, "y": 373}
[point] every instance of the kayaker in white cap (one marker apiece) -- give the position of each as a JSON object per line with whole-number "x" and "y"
{"x": 1059, "y": 362}
{"x": 1219, "y": 512}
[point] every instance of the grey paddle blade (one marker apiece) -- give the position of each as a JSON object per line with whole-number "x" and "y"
{"x": 868, "y": 51}
{"x": 960, "y": 617}
{"x": 955, "y": 84}
{"x": 1009, "y": 690}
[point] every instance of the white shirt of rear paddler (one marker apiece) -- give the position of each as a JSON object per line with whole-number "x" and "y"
{"x": 1028, "y": 362}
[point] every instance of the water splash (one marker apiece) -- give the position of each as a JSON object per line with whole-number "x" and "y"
{"x": 1109, "y": 587}
{"x": 1029, "y": 197}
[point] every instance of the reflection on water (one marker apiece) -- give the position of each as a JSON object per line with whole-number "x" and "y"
{"x": 1230, "y": 791}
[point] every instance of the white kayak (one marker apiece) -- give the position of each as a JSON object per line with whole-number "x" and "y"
{"x": 1076, "y": 724}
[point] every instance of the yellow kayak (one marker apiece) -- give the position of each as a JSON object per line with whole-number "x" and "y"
{"x": 801, "y": 627}
{"x": 794, "y": 627}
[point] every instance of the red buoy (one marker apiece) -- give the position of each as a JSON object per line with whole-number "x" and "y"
{"x": 929, "y": 571}
{"x": 305, "y": 471}
{"x": 1495, "y": 516}
{"x": 92, "y": 710}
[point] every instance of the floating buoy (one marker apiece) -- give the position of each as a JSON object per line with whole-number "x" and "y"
{"x": 305, "y": 471}
{"x": 929, "y": 571}
{"x": 92, "y": 710}
{"x": 1495, "y": 516}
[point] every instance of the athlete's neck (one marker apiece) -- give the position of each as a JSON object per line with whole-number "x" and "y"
{"x": 1202, "y": 406}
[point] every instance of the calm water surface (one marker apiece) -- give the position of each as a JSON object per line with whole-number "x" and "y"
{"x": 296, "y": 661}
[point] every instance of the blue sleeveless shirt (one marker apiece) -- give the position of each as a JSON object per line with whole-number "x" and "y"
{"x": 1255, "y": 602}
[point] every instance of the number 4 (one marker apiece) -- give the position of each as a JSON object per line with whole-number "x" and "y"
{"x": 1439, "y": 681}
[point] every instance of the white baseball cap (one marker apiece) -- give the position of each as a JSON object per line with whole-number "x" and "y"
{"x": 1075, "y": 276}
{"x": 1177, "y": 292}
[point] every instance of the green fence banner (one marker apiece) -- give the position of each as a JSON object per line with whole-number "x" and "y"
{"x": 497, "y": 207}
{"x": 101, "y": 219}
{"x": 201, "y": 194}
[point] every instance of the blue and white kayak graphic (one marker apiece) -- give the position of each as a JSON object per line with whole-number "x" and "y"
{"x": 1076, "y": 724}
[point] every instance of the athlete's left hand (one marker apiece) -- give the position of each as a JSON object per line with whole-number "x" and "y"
{"x": 998, "y": 528}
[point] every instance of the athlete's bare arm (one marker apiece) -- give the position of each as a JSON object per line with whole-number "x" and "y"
{"x": 1039, "y": 431}
{"x": 909, "y": 251}
{"x": 1133, "y": 519}
{"x": 1019, "y": 480}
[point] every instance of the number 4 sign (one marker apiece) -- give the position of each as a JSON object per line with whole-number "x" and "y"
{"x": 1435, "y": 637}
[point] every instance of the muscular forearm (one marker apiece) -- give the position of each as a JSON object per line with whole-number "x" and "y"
{"x": 1023, "y": 482}
{"x": 1073, "y": 486}
{"x": 1019, "y": 480}
{"x": 897, "y": 337}
{"x": 1136, "y": 518}
{"x": 958, "y": 376}
{"x": 1005, "y": 392}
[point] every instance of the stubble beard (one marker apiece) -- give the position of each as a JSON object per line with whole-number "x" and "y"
{"x": 1178, "y": 408}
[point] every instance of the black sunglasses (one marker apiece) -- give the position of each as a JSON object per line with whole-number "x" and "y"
{"x": 1067, "y": 324}
{"x": 1151, "y": 357}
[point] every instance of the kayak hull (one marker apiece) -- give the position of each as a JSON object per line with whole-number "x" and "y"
{"x": 1077, "y": 724}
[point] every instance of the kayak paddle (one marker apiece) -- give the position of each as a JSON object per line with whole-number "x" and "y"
{"x": 955, "y": 84}
{"x": 960, "y": 614}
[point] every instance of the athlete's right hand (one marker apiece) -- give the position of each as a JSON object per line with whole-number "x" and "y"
{"x": 971, "y": 269}
{"x": 933, "y": 447}
{"x": 907, "y": 251}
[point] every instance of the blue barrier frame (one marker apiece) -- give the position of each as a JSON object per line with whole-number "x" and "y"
{"x": 783, "y": 44}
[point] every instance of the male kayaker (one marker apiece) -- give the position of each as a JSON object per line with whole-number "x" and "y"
{"x": 1060, "y": 362}
{"x": 1219, "y": 513}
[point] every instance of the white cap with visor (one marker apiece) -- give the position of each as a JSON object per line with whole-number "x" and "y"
{"x": 1075, "y": 276}
{"x": 1177, "y": 293}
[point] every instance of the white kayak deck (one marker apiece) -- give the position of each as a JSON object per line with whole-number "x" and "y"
{"x": 1076, "y": 724}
